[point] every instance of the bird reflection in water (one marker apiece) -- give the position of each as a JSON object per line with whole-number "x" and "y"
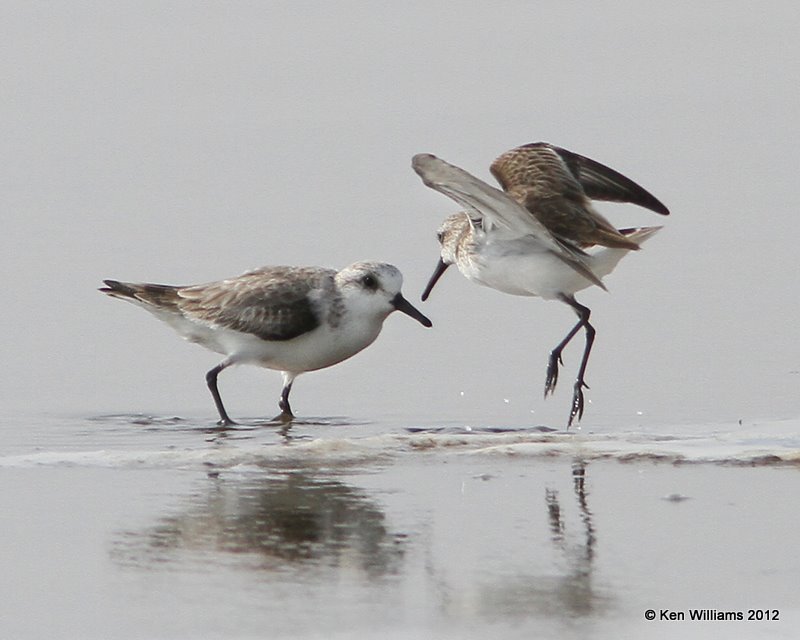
{"x": 575, "y": 586}
{"x": 569, "y": 590}
{"x": 272, "y": 523}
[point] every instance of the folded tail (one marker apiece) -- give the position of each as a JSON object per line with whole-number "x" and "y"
{"x": 640, "y": 234}
{"x": 161, "y": 296}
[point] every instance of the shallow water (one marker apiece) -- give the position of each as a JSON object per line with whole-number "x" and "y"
{"x": 134, "y": 526}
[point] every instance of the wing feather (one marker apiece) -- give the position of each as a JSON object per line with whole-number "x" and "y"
{"x": 548, "y": 171}
{"x": 273, "y": 303}
{"x": 600, "y": 182}
{"x": 555, "y": 186}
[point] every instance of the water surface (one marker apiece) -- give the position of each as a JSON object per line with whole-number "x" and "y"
{"x": 132, "y": 526}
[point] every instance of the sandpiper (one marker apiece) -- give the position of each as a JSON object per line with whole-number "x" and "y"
{"x": 291, "y": 319}
{"x": 540, "y": 235}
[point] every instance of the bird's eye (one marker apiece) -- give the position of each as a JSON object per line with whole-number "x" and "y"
{"x": 440, "y": 236}
{"x": 369, "y": 282}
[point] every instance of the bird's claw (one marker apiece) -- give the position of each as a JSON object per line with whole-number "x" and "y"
{"x": 552, "y": 373}
{"x": 577, "y": 402}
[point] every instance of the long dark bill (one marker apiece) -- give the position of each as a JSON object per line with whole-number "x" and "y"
{"x": 441, "y": 267}
{"x": 401, "y": 304}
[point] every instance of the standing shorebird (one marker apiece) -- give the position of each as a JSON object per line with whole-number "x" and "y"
{"x": 535, "y": 237}
{"x": 291, "y": 319}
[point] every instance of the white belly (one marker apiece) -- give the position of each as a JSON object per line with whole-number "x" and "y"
{"x": 317, "y": 349}
{"x": 521, "y": 267}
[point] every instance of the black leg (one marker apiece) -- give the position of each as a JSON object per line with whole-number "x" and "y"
{"x": 211, "y": 380}
{"x": 284, "y": 405}
{"x": 286, "y": 414}
{"x": 576, "y": 410}
{"x": 555, "y": 360}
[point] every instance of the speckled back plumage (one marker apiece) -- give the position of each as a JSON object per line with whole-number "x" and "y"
{"x": 555, "y": 185}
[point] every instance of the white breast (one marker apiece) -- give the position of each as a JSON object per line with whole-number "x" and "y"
{"x": 519, "y": 267}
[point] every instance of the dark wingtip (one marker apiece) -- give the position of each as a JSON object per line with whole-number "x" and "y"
{"x": 601, "y": 182}
{"x": 654, "y": 204}
{"x": 111, "y": 285}
{"x": 116, "y": 287}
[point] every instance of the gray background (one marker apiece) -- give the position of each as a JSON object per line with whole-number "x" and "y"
{"x": 184, "y": 142}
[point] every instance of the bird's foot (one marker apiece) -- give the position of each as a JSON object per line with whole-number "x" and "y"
{"x": 552, "y": 373}
{"x": 577, "y": 402}
{"x": 284, "y": 417}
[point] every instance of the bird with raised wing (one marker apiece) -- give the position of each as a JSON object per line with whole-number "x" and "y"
{"x": 539, "y": 235}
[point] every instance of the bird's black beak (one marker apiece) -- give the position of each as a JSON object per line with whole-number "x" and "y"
{"x": 441, "y": 267}
{"x": 401, "y": 304}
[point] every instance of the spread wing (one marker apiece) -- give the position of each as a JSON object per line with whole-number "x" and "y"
{"x": 273, "y": 303}
{"x": 551, "y": 171}
{"x": 484, "y": 202}
{"x": 555, "y": 186}
{"x": 600, "y": 182}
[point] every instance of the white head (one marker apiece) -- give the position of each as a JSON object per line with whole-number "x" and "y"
{"x": 374, "y": 288}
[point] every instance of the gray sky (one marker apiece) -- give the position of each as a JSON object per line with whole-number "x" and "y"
{"x": 184, "y": 142}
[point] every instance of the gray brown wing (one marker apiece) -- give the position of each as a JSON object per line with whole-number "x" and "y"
{"x": 541, "y": 180}
{"x": 273, "y": 303}
{"x": 539, "y": 170}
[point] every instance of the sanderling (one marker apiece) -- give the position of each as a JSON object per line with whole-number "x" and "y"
{"x": 291, "y": 319}
{"x": 531, "y": 238}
